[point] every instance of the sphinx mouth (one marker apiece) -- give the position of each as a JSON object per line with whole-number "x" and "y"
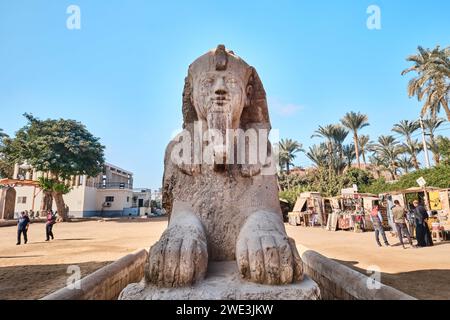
{"x": 220, "y": 106}
{"x": 220, "y": 102}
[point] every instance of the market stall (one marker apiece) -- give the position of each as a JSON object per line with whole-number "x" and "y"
{"x": 308, "y": 210}
{"x": 350, "y": 211}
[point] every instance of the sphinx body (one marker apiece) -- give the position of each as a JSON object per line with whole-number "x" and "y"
{"x": 222, "y": 209}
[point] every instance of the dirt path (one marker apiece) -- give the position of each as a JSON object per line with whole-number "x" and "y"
{"x": 34, "y": 270}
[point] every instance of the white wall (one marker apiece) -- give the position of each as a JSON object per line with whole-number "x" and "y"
{"x": 28, "y": 192}
{"x": 90, "y": 199}
{"x": 74, "y": 199}
{"x": 120, "y": 199}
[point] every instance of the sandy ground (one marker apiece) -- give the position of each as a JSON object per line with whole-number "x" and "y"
{"x": 34, "y": 270}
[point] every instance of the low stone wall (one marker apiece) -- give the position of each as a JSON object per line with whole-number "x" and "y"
{"x": 107, "y": 282}
{"x": 338, "y": 282}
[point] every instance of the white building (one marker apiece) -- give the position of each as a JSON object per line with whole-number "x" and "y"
{"x": 110, "y": 194}
{"x": 142, "y": 199}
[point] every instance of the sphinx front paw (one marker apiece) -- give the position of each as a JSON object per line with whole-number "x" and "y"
{"x": 178, "y": 259}
{"x": 266, "y": 255}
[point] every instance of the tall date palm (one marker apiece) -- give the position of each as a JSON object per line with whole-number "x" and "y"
{"x": 355, "y": 122}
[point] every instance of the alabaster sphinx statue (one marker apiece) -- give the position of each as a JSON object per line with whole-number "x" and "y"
{"x": 223, "y": 204}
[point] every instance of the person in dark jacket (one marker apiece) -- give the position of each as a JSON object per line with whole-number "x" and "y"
{"x": 51, "y": 220}
{"x": 22, "y": 227}
{"x": 423, "y": 234}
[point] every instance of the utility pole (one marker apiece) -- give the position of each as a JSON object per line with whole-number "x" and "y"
{"x": 424, "y": 142}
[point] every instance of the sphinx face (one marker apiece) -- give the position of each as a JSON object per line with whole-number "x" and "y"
{"x": 219, "y": 98}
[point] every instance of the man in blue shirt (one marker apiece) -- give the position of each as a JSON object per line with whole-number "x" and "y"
{"x": 22, "y": 227}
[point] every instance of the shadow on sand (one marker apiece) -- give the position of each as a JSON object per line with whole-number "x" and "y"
{"x": 421, "y": 284}
{"x": 31, "y": 282}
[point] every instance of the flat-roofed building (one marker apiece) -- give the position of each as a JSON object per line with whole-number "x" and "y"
{"x": 110, "y": 194}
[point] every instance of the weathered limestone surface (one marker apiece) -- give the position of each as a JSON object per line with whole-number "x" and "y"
{"x": 222, "y": 209}
{"x": 223, "y": 282}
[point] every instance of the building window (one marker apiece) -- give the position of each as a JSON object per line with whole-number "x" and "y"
{"x": 22, "y": 200}
{"x": 128, "y": 199}
{"x": 109, "y": 199}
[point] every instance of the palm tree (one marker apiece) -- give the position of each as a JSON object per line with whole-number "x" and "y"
{"x": 2, "y": 134}
{"x": 405, "y": 163}
{"x": 288, "y": 149}
{"x": 432, "y": 124}
{"x": 364, "y": 145}
{"x": 327, "y": 133}
{"x": 406, "y": 128}
{"x": 355, "y": 122}
{"x": 378, "y": 164}
{"x": 388, "y": 150}
{"x": 318, "y": 155}
{"x": 339, "y": 136}
{"x": 412, "y": 149}
{"x": 432, "y": 81}
{"x": 349, "y": 154}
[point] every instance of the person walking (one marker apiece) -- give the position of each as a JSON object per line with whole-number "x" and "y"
{"x": 398, "y": 213}
{"x": 423, "y": 234}
{"x": 51, "y": 220}
{"x": 376, "y": 218}
{"x": 22, "y": 227}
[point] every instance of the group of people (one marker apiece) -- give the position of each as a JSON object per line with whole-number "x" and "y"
{"x": 24, "y": 223}
{"x": 423, "y": 234}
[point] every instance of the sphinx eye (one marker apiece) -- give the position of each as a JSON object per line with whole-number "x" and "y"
{"x": 207, "y": 82}
{"x": 232, "y": 82}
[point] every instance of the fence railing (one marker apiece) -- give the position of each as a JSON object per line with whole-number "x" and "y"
{"x": 114, "y": 185}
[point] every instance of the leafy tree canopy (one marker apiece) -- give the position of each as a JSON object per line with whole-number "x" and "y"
{"x": 63, "y": 147}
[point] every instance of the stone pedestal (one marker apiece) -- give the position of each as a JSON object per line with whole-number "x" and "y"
{"x": 223, "y": 283}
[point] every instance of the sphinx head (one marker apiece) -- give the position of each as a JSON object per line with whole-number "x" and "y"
{"x": 220, "y": 88}
{"x": 225, "y": 93}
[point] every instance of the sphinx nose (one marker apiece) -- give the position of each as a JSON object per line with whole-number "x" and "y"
{"x": 220, "y": 87}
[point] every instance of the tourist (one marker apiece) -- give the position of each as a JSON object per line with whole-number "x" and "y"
{"x": 398, "y": 213}
{"x": 22, "y": 227}
{"x": 51, "y": 220}
{"x": 377, "y": 221}
{"x": 411, "y": 220}
{"x": 423, "y": 234}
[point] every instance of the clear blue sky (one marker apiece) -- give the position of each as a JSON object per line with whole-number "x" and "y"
{"x": 122, "y": 74}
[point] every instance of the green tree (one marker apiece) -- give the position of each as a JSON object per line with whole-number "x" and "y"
{"x": 444, "y": 147}
{"x": 349, "y": 154}
{"x": 432, "y": 124}
{"x": 405, "y": 163}
{"x": 406, "y": 128}
{"x": 6, "y": 168}
{"x": 364, "y": 146}
{"x": 339, "y": 136}
{"x": 355, "y": 122}
{"x": 361, "y": 178}
{"x": 432, "y": 81}
{"x": 327, "y": 133}
{"x": 388, "y": 151}
{"x": 64, "y": 148}
{"x": 288, "y": 150}
{"x": 318, "y": 155}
